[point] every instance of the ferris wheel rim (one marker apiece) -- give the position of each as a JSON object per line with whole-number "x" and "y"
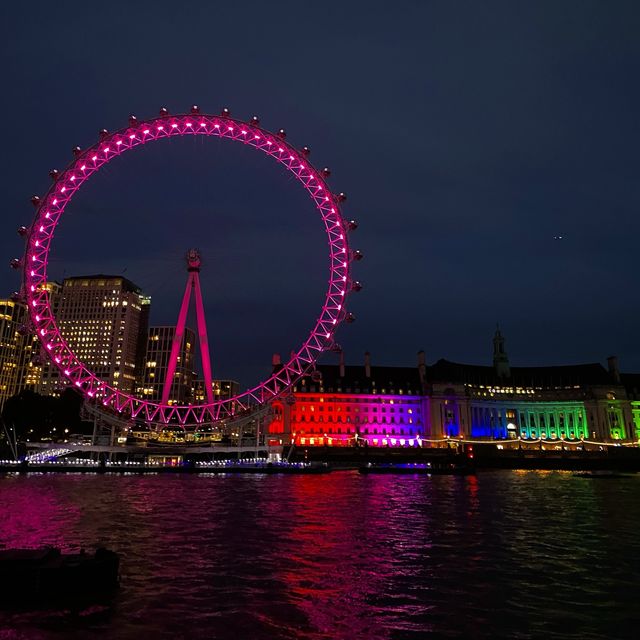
{"x": 86, "y": 163}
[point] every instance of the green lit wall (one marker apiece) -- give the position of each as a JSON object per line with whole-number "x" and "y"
{"x": 615, "y": 419}
{"x": 635, "y": 411}
{"x": 529, "y": 419}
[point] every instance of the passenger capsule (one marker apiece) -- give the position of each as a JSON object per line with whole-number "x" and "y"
{"x": 195, "y": 109}
{"x": 103, "y": 133}
{"x": 352, "y": 225}
{"x": 76, "y": 151}
{"x": 356, "y": 285}
{"x": 16, "y": 296}
{"x": 133, "y": 121}
{"x": 281, "y": 133}
{"x": 350, "y": 318}
{"x": 255, "y": 121}
{"x": 164, "y": 112}
{"x": 306, "y": 151}
{"x": 357, "y": 255}
{"x": 226, "y": 112}
{"x": 54, "y": 174}
{"x": 16, "y": 263}
{"x": 35, "y": 201}
{"x": 22, "y": 231}
{"x": 341, "y": 196}
{"x": 326, "y": 172}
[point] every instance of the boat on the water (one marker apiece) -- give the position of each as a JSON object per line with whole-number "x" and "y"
{"x": 33, "y": 576}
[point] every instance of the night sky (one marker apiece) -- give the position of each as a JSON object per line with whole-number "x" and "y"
{"x": 489, "y": 151}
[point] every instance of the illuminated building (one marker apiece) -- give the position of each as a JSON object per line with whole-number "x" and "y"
{"x": 187, "y": 387}
{"x": 561, "y": 402}
{"x": 355, "y": 405}
{"x": 104, "y": 320}
{"x": 222, "y": 389}
{"x": 12, "y": 316}
{"x": 631, "y": 382}
{"x": 159, "y": 342}
{"x": 21, "y": 362}
{"x": 399, "y": 406}
{"x": 569, "y": 402}
{"x": 33, "y": 363}
{"x": 16, "y": 348}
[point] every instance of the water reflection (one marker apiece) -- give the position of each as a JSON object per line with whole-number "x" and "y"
{"x": 340, "y": 556}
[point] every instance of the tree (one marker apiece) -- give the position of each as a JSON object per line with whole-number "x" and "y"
{"x": 36, "y": 417}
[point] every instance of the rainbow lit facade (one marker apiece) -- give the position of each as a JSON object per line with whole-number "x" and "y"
{"x": 428, "y": 406}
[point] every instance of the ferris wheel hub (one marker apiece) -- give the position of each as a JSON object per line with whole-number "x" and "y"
{"x": 194, "y": 260}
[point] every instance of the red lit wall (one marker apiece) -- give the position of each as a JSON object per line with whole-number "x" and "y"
{"x": 323, "y": 419}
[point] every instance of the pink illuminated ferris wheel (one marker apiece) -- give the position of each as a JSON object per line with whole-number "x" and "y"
{"x": 50, "y": 208}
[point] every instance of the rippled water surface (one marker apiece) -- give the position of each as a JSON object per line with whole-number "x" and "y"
{"x": 504, "y": 554}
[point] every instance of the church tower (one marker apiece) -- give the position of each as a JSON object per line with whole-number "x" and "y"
{"x": 500, "y": 358}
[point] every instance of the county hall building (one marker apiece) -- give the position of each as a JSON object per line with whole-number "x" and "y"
{"x": 340, "y": 405}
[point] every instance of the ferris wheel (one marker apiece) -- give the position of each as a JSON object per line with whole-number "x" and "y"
{"x": 50, "y": 208}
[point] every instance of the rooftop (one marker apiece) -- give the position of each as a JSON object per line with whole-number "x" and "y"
{"x": 556, "y": 376}
{"x": 127, "y": 284}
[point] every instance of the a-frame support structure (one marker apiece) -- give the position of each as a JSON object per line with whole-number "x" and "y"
{"x": 193, "y": 284}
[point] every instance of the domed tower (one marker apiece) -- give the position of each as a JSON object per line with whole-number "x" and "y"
{"x": 500, "y": 357}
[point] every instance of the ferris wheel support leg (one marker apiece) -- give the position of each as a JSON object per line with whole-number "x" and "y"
{"x": 204, "y": 341}
{"x": 177, "y": 340}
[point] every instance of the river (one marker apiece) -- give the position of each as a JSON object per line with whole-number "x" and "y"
{"x": 501, "y": 554}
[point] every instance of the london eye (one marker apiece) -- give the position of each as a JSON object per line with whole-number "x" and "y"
{"x": 50, "y": 208}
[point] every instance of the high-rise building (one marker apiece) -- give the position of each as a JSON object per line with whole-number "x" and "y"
{"x": 222, "y": 389}
{"x": 104, "y": 320}
{"x": 158, "y": 351}
{"x": 12, "y": 319}
{"x": 20, "y": 364}
{"x": 32, "y": 363}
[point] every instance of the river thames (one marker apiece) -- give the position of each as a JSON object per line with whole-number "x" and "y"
{"x": 501, "y": 554}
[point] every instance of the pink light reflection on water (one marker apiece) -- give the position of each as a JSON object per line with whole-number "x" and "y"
{"x": 36, "y": 515}
{"x": 341, "y": 556}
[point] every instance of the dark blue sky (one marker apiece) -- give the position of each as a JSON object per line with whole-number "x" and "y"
{"x": 467, "y": 135}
